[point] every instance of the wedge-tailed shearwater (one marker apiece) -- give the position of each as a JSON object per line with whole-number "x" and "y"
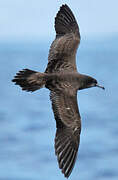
{"x": 63, "y": 80}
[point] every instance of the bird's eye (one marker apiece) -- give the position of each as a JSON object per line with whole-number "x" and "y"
{"x": 95, "y": 81}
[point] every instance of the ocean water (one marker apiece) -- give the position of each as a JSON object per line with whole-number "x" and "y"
{"x": 27, "y": 125}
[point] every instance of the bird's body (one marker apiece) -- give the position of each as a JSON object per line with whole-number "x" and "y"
{"x": 63, "y": 81}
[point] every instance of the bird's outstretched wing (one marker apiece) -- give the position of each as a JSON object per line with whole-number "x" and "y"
{"x": 68, "y": 124}
{"x": 62, "y": 54}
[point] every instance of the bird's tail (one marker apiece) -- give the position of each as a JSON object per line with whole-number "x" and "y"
{"x": 29, "y": 80}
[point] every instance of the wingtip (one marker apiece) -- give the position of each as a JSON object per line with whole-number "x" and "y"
{"x": 65, "y": 21}
{"x": 66, "y": 149}
{"x": 64, "y": 6}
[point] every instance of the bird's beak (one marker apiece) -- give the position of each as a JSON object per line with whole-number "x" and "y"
{"x": 97, "y": 85}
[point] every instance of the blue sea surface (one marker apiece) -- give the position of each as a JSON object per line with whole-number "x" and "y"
{"x": 27, "y": 125}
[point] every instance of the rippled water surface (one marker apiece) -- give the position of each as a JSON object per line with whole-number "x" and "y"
{"x": 27, "y": 125}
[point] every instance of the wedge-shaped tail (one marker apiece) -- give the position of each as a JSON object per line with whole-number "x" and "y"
{"x": 29, "y": 80}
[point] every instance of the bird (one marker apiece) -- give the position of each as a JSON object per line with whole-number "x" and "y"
{"x": 63, "y": 81}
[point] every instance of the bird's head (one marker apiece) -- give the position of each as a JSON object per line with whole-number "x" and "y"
{"x": 93, "y": 83}
{"x": 88, "y": 82}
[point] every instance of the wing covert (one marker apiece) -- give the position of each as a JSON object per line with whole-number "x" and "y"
{"x": 65, "y": 107}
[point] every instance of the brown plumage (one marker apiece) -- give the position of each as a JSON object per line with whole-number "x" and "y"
{"x": 63, "y": 81}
